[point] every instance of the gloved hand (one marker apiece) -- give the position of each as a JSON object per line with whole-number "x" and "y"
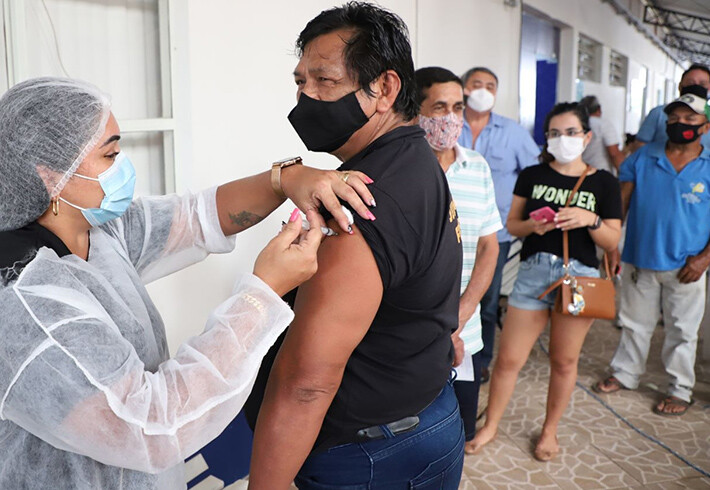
{"x": 290, "y": 258}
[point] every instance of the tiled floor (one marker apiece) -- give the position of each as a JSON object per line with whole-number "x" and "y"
{"x": 599, "y": 451}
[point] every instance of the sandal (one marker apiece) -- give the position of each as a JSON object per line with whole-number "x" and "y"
{"x": 608, "y": 385}
{"x": 672, "y": 401}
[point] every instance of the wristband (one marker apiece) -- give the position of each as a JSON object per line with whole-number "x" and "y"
{"x": 276, "y": 168}
{"x": 597, "y": 223}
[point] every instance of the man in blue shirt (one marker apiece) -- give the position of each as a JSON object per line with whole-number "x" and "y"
{"x": 508, "y": 148}
{"x": 666, "y": 191}
{"x": 653, "y": 128}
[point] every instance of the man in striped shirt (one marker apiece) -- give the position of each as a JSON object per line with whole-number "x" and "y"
{"x": 440, "y": 96}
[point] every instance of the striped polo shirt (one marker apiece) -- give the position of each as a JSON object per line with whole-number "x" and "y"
{"x": 471, "y": 186}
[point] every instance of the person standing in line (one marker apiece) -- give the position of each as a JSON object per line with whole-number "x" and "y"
{"x": 666, "y": 254}
{"x": 508, "y": 148}
{"x": 603, "y": 151}
{"x": 440, "y": 97}
{"x": 592, "y": 219}
{"x": 653, "y": 127}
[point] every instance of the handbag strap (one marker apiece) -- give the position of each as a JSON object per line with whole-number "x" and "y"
{"x": 565, "y": 238}
{"x": 565, "y": 235}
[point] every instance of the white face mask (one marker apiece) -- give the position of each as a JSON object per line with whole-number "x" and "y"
{"x": 481, "y": 100}
{"x": 565, "y": 149}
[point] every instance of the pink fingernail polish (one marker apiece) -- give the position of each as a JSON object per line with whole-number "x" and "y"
{"x": 350, "y": 230}
{"x": 371, "y": 216}
{"x": 294, "y": 215}
{"x": 368, "y": 180}
{"x": 373, "y": 203}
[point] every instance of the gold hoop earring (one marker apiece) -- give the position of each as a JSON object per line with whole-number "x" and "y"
{"x": 55, "y": 207}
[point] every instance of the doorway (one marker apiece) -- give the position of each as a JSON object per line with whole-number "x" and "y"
{"x": 539, "y": 54}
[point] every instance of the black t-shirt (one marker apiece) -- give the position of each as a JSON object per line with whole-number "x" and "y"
{"x": 19, "y": 247}
{"x": 405, "y": 358}
{"x": 543, "y": 186}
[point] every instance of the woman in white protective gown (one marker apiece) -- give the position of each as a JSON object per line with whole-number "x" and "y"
{"x": 89, "y": 396}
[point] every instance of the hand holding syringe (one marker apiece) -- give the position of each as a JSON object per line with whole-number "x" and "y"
{"x": 326, "y": 230}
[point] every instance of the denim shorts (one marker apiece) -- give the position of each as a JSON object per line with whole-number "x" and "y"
{"x": 536, "y": 274}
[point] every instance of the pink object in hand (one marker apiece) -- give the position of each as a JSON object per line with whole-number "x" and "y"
{"x": 546, "y": 213}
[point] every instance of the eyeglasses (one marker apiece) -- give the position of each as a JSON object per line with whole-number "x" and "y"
{"x": 553, "y": 133}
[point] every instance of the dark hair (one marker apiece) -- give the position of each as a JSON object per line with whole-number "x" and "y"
{"x": 563, "y": 108}
{"x": 426, "y": 77}
{"x": 696, "y": 66}
{"x": 380, "y": 42}
{"x": 467, "y": 75}
{"x": 591, "y": 103}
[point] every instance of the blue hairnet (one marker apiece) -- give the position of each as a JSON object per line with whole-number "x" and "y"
{"x": 47, "y": 127}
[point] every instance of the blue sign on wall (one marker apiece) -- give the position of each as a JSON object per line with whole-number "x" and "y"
{"x": 545, "y": 97}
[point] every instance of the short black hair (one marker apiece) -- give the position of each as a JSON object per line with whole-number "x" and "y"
{"x": 467, "y": 75}
{"x": 591, "y": 103}
{"x": 380, "y": 42}
{"x": 562, "y": 108}
{"x": 696, "y": 66}
{"x": 426, "y": 77}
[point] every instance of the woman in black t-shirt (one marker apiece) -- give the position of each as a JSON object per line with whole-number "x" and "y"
{"x": 593, "y": 219}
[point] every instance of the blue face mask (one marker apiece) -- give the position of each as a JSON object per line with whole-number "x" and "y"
{"x": 118, "y": 184}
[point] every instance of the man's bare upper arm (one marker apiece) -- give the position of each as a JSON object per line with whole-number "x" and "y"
{"x": 334, "y": 311}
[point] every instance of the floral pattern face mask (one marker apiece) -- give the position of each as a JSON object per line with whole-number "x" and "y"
{"x": 442, "y": 132}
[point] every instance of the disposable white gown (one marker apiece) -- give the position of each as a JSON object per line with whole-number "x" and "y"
{"x": 88, "y": 396}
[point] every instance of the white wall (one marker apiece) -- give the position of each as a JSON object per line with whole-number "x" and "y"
{"x": 599, "y": 21}
{"x": 234, "y": 89}
{"x": 461, "y": 34}
{"x": 612, "y": 98}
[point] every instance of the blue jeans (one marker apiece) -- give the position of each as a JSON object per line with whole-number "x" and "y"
{"x": 429, "y": 457}
{"x": 536, "y": 274}
{"x": 467, "y": 396}
{"x": 489, "y": 306}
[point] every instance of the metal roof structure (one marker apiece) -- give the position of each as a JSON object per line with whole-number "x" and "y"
{"x": 686, "y": 26}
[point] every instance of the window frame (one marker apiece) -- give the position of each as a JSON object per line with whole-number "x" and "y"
{"x": 14, "y": 34}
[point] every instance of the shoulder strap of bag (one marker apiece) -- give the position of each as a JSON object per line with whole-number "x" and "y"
{"x": 565, "y": 235}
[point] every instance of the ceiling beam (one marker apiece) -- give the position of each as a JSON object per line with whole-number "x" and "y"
{"x": 632, "y": 19}
{"x": 688, "y": 45}
{"x": 679, "y": 21}
{"x": 673, "y": 22}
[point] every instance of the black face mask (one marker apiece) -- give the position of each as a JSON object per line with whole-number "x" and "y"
{"x": 681, "y": 134}
{"x": 326, "y": 126}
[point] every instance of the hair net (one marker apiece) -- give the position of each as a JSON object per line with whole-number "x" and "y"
{"x": 44, "y": 122}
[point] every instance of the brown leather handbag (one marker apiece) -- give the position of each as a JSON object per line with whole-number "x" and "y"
{"x": 589, "y": 297}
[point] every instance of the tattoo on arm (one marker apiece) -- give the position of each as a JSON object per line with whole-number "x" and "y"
{"x": 245, "y": 219}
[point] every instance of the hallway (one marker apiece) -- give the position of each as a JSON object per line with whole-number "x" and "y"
{"x": 598, "y": 449}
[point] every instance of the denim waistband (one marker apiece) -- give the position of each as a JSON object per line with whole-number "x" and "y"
{"x": 545, "y": 258}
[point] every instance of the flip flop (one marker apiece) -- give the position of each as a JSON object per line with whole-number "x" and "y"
{"x": 613, "y": 384}
{"x": 672, "y": 400}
